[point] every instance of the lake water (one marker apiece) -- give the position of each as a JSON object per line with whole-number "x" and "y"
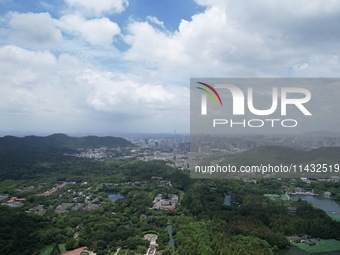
{"x": 227, "y": 200}
{"x": 171, "y": 238}
{"x": 331, "y": 207}
{"x": 114, "y": 197}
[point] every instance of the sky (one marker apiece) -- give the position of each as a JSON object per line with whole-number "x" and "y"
{"x": 115, "y": 66}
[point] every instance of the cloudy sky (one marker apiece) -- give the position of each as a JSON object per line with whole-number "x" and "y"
{"x": 125, "y": 65}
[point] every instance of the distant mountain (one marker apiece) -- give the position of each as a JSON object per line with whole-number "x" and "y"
{"x": 283, "y": 155}
{"x": 59, "y": 142}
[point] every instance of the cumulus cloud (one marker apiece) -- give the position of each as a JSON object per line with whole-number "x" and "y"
{"x": 147, "y": 41}
{"x": 155, "y": 21}
{"x": 209, "y": 44}
{"x": 67, "y": 90}
{"x": 114, "y": 91}
{"x": 31, "y": 80}
{"x": 33, "y": 28}
{"x": 98, "y": 7}
{"x": 230, "y": 38}
{"x": 148, "y": 80}
{"x": 16, "y": 65}
{"x": 95, "y": 31}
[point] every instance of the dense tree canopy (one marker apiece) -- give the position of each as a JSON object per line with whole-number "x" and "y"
{"x": 202, "y": 224}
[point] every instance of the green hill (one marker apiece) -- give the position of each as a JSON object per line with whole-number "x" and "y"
{"x": 22, "y": 157}
{"x": 59, "y": 142}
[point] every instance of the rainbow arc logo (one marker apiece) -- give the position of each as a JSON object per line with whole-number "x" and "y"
{"x": 211, "y": 92}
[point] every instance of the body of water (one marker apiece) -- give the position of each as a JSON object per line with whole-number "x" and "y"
{"x": 114, "y": 197}
{"x": 331, "y": 207}
{"x": 227, "y": 200}
{"x": 171, "y": 238}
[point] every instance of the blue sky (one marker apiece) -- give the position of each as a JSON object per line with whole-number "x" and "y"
{"x": 112, "y": 66}
{"x": 169, "y": 11}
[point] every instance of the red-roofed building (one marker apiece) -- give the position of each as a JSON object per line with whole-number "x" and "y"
{"x": 47, "y": 193}
{"x": 75, "y": 252}
{"x": 13, "y": 199}
{"x": 78, "y": 251}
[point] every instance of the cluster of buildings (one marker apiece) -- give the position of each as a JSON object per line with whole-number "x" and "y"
{"x": 15, "y": 201}
{"x": 18, "y": 202}
{"x": 152, "y": 238}
{"x": 72, "y": 199}
{"x": 67, "y": 207}
{"x": 168, "y": 147}
{"x": 30, "y": 188}
{"x": 104, "y": 152}
{"x": 139, "y": 183}
{"x": 12, "y": 202}
{"x": 303, "y": 239}
{"x": 162, "y": 142}
{"x": 136, "y": 183}
{"x": 79, "y": 251}
{"x": 48, "y": 193}
{"x": 54, "y": 189}
{"x": 39, "y": 209}
{"x": 77, "y": 200}
{"x": 169, "y": 203}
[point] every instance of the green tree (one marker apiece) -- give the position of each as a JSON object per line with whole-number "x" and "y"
{"x": 56, "y": 250}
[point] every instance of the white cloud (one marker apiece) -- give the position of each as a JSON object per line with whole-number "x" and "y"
{"x": 121, "y": 94}
{"x": 95, "y": 31}
{"x": 68, "y": 92}
{"x": 99, "y": 7}
{"x": 298, "y": 6}
{"x": 149, "y": 80}
{"x": 155, "y": 21}
{"x": 16, "y": 65}
{"x": 33, "y": 28}
{"x": 31, "y": 81}
{"x": 152, "y": 46}
{"x": 231, "y": 38}
{"x": 207, "y": 45}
